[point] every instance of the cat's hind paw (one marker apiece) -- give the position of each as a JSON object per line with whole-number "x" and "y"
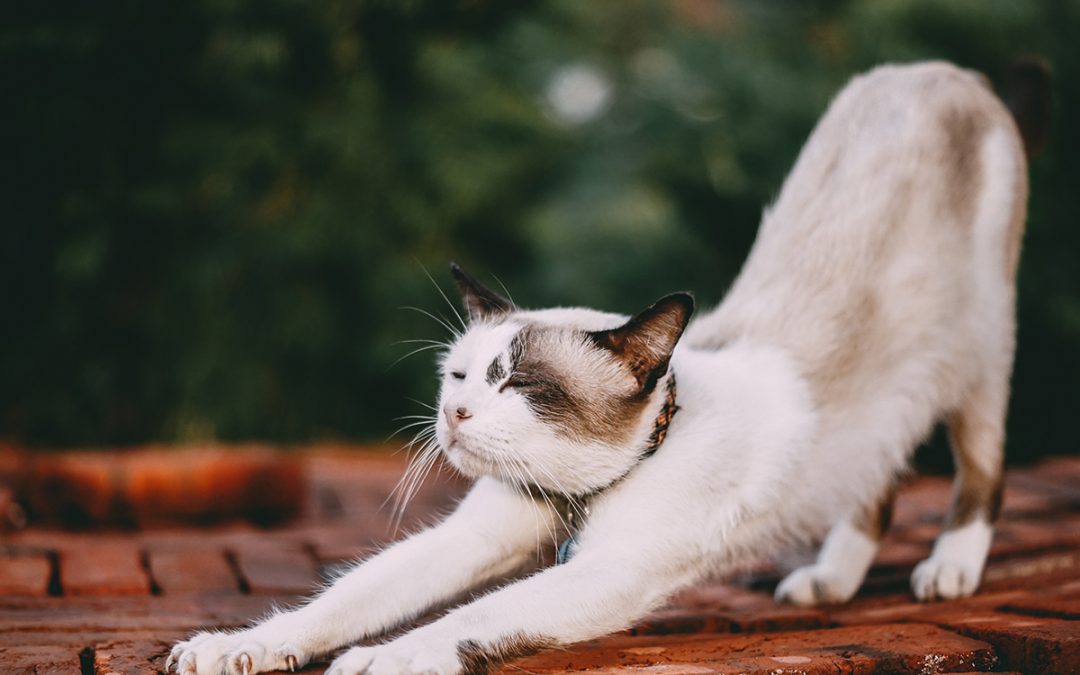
{"x": 816, "y": 585}
{"x": 955, "y": 567}
{"x": 937, "y": 578}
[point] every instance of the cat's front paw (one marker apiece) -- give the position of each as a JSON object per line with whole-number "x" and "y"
{"x": 241, "y": 653}
{"x": 400, "y": 657}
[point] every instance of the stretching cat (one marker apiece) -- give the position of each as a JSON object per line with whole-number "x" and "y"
{"x": 877, "y": 300}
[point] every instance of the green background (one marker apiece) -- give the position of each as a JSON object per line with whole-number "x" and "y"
{"x": 212, "y": 212}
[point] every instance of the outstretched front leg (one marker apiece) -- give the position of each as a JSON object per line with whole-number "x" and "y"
{"x": 495, "y": 531}
{"x": 608, "y": 584}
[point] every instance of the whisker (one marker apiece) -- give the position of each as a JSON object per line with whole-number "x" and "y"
{"x": 505, "y": 290}
{"x": 453, "y": 308}
{"x": 438, "y": 319}
{"x": 422, "y": 403}
{"x": 415, "y": 351}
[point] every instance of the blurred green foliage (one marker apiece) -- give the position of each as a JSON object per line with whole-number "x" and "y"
{"x": 213, "y": 211}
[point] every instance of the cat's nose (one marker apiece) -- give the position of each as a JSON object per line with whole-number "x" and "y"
{"x": 455, "y": 415}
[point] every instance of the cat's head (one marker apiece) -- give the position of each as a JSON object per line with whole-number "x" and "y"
{"x": 563, "y": 399}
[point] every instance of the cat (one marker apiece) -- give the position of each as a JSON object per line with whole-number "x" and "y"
{"x": 878, "y": 299}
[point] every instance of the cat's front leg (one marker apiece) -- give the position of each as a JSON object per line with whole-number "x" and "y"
{"x": 495, "y": 531}
{"x": 594, "y": 594}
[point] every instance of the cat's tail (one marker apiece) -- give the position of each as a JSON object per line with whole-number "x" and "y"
{"x": 1027, "y": 95}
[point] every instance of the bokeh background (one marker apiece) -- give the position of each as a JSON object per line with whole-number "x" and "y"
{"x": 213, "y": 212}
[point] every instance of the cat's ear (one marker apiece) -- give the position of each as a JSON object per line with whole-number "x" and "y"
{"x": 644, "y": 343}
{"x": 482, "y": 303}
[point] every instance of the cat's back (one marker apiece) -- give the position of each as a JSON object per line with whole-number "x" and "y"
{"x": 906, "y": 198}
{"x": 901, "y": 156}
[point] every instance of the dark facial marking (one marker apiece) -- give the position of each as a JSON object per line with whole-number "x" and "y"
{"x": 553, "y": 397}
{"x": 478, "y": 659}
{"x": 495, "y": 371}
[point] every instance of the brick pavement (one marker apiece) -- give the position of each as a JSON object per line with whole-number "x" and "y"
{"x": 113, "y": 601}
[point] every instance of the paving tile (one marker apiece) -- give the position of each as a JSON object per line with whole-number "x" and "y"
{"x": 1061, "y": 606}
{"x": 193, "y": 571}
{"x": 1029, "y": 644}
{"x": 39, "y": 660}
{"x": 103, "y": 569}
{"x": 275, "y": 569}
{"x": 124, "y": 657}
{"x": 885, "y": 648}
{"x": 1031, "y": 571}
{"x": 22, "y": 617}
{"x": 1025, "y": 615}
{"x": 24, "y": 575}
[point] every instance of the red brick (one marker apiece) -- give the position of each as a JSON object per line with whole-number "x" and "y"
{"x": 275, "y": 569}
{"x": 39, "y": 660}
{"x": 123, "y": 657}
{"x": 1060, "y": 606}
{"x": 1032, "y": 571}
{"x": 24, "y": 575}
{"x": 336, "y": 543}
{"x": 193, "y": 571}
{"x": 79, "y": 622}
{"x": 886, "y": 648}
{"x": 213, "y": 483}
{"x": 1061, "y": 472}
{"x": 724, "y": 608}
{"x": 71, "y": 488}
{"x": 103, "y": 569}
{"x": 1029, "y": 644}
{"x": 921, "y": 501}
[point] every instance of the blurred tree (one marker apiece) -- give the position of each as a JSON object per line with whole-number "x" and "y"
{"x": 213, "y": 211}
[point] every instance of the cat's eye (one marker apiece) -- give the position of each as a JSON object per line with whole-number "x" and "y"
{"x": 457, "y": 375}
{"x": 516, "y": 382}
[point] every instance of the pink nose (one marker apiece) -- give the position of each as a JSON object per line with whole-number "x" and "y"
{"x": 456, "y": 415}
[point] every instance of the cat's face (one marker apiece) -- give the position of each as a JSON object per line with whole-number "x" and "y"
{"x": 561, "y": 399}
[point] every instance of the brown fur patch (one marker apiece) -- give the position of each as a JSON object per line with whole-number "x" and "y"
{"x": 478, "y": 659}
{"x": 976, "y": 492}
{"x": 874, "y": 520}
{"x": 975, "y": 495}
{"x": 963, "y": 131}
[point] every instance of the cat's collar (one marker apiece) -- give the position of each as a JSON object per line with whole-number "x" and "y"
{"x": 574, "y": 509}
{"x": 662, "y": 421}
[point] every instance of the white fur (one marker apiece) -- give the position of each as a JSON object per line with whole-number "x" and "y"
{"x": 844, "y": 559}
{"x": 851, "y": 330}
{"x": 956, "y": 565}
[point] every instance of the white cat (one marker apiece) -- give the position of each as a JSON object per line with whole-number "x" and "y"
{"x": 877, "y": 300}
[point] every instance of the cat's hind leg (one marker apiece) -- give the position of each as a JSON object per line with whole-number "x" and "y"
{"x": 976, "y": 434}
{"x": 844, "y": 559}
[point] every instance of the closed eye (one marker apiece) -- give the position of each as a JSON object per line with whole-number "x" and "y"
{"x": 457, "y": 375}
{"x": 517, "y": 382}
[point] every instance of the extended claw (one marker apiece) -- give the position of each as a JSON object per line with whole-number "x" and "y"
{"x": 245, "y": 664}
{"x": 170, "y": 660}
{"x": 290, "y": 663}
{"x": 186, "y": 666}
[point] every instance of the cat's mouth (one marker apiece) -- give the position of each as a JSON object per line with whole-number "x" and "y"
{"x": 469, "y": 460}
